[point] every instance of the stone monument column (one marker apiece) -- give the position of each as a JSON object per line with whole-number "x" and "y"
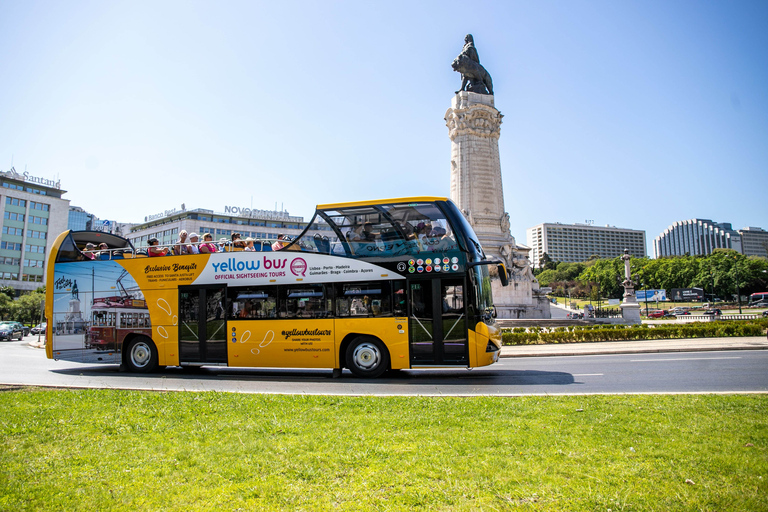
{"x": 630, "y": 309}
{"x": 474, "y": 127}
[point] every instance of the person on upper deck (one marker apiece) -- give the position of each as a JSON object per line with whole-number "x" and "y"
{"x": 280, "y": 243}
{"x": 90, "y": 251}
{"x": 181, "y": 246}
{"x": 154, "y": 248}
{"x": 249, "y": 244}
{"x": 237, "y": 242}
{"x": 193, "y": 244}
{"x": 207, "y": 246}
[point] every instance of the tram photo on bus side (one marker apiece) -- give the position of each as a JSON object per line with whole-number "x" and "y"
{"x": 397, "y": 284}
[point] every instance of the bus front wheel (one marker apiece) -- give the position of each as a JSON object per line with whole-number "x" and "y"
{"x": 367, "y": 357}
{"x": 142, "y": 355}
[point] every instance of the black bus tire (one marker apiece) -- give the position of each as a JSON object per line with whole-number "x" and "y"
{"x": 367, "y": 357}
{"x": 141, "y": 356}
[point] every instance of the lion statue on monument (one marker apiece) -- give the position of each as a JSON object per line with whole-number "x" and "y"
{"x": 473, "y": 75}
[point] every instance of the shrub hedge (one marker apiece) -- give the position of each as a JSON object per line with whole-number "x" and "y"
{"x": 539, "y": 335}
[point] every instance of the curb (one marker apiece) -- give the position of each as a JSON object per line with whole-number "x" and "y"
{"x": 551, "y": 350}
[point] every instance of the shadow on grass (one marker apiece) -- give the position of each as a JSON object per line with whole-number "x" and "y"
{"x": 442, "y": 377}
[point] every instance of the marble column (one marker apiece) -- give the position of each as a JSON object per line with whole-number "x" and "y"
{"x": 474, "y": 127}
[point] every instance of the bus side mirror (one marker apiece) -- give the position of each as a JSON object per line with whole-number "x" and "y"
{"x": 503, "y": 274}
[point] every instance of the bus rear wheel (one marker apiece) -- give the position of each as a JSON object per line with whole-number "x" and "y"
{"x": 142, "y": 355}
{"x": 367, "y": 357}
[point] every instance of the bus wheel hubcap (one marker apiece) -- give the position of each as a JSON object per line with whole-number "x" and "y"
{"x": 140, "y": 354}
{"x": 367, "y": 356}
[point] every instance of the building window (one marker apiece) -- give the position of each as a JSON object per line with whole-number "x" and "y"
{"x": 14, "y": 216}
{"x": 38, "y": 206}
{"x": 13, "y": 231}
{"x": 40, "y": 249}
{"x": 11, "y": 246}
{"x": 15, "y": 201}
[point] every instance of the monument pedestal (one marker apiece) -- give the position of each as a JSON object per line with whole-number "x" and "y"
{"x": 630, "y": 312}
{"x": 474, "y": 127}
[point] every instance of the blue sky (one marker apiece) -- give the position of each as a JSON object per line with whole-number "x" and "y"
{"x": 633, "y": 113}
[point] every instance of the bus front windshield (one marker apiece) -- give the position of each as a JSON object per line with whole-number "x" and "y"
{"x": 482, "y": 282}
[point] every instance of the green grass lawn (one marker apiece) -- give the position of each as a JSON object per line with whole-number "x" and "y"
{"x": 128, "y": 450}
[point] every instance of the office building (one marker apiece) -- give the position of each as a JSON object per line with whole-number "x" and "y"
{"x": 696, "y": 237}
{"x": 33, "y": 214}
{"x": 754, "y": 242}
{"x": 579, "y": 242}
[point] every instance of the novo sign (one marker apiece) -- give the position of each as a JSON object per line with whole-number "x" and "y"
{"x": 33, "y": 179}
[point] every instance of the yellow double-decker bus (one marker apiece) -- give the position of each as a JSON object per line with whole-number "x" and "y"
{"x": 398, "y": 284}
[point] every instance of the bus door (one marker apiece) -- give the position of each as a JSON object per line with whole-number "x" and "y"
{"x": 202, "y": 324}
{"x": 438, "y": 322}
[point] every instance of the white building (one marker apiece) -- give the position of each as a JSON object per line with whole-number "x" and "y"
{"x": 754, "y": 242}
{"x": 33, "y": 215}
{"x": 579, "y": 242}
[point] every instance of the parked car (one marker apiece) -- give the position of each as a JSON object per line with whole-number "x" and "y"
{"x": 10, "y": 330}
{"x": 765, "y": 314}
{"x": 715, "y": 312}
{"x": 680, "y": 311}
{"x": 39, "y": 329}
{"x": 24, "y": 328}
{"x": 659, "y": 313}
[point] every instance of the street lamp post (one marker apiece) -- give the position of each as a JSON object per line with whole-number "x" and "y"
{"x": 738, "y": 288}
{"x": 645, "y": 283}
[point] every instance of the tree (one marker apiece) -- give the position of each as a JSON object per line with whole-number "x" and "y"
{"x": 5, "y": 306}
{"x": 27, "y": 308}
{"x": 7, "y": 290}
{"x": 546, "y": 263}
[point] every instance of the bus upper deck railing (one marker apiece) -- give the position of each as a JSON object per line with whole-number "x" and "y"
{"x": 143, "y": 251}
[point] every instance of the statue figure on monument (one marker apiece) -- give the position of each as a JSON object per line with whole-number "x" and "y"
{"x": 469, "y": 48}
{"x": 474, "y": 77}
{"x": 505, "y": 223}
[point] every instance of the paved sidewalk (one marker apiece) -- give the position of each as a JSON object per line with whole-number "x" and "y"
{"x": 637, "y": 347}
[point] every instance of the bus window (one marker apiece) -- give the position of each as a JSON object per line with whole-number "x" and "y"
{"x": 252, "y": 302}
{"x": 303, "y": 301}
{"x": 363, "y": 299}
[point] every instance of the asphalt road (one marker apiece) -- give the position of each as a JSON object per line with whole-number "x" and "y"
{"x": 679, "y": 372}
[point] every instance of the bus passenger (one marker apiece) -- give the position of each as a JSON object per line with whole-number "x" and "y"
{"x": 154, "y": 248}
{"x": 181, "y": 246}
{"x": 281, "y": 242}
{"x": 90, "y": 251}
{"x": 249, "y": 244}
{"x": 237, "y": 242}
{"x": 207, "y": 246}
{"x": 193, "y": 243}
{"x": 368, "y": 235}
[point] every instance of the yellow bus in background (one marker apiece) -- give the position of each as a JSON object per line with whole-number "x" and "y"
{"x": 398, "y": 284}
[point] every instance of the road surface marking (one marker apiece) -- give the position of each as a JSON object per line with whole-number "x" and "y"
{"x": 681, "y": 359}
